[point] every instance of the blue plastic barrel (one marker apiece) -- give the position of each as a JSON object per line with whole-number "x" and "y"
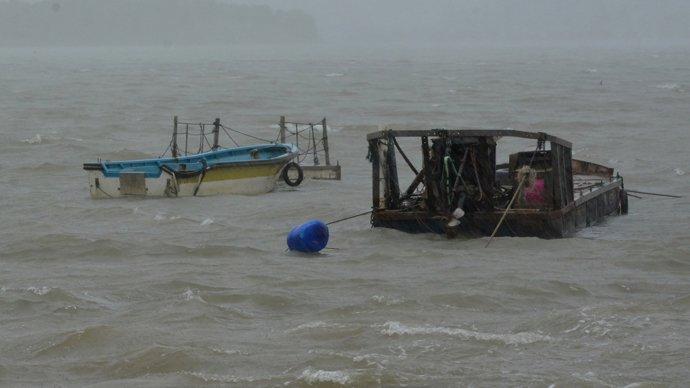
{"x": 310, "y": 237}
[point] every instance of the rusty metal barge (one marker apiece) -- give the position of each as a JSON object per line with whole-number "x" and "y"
{"x": 459, "y": 189}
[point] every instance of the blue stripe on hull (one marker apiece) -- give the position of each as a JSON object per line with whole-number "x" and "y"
{"x": 191, "y": 164}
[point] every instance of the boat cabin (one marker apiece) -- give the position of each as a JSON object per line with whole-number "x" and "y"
{"x": 460, "y": 188}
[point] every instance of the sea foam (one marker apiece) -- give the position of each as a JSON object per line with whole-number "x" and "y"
{"x": 37, "y": 139}
{"x": 397, "y": 328}
{"x": 316, "y": 376}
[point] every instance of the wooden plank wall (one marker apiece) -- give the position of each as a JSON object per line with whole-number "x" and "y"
{"x": 561, "y": 164}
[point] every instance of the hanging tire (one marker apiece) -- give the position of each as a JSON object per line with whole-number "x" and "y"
{"x": 286, "y": 174}
{"x": 624, "y": 201}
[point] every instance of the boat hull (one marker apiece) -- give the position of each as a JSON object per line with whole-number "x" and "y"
{"x": 244, "y": 180}
{"x": 588, "y": 210}
{"x": 247, "y": 170}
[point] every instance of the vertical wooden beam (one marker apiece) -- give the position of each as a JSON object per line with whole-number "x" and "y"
{"x": 216, "y": 132}
{"x": 568, "y": 164}
{"x": 392, "y": 174}
{"x": 282, "y": 129}
{"x": 325, "y": 142}
{"x": 487, "y": 171}
{"x": 173, "y": 149}
{"x": 375, "y": 173}
{"x": 201, "y": 138}
{"x": 186, "y": 138}
{"x": 297, "y": 135}
{"x": 439, "y": 149}
{"x": 557, "y": 172}
{"x": 385, "y": 182}
{"x": 313, "y": 139}
{"x": 426, "y": 169}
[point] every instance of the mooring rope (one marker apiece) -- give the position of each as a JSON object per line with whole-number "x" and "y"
{"x": 166, "y": 149}
{"x": 245, "y": 134}
{"x": 517, "y": 191}
{"x": 349, "y": 218}
{"x": 657, "y": 194}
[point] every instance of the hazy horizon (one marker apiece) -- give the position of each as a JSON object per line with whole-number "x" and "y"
{"x": 498, "y": 22}
{"x": 490, "y": 23}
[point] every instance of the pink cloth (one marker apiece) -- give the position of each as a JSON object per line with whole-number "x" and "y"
{"x": 534, "y": 195}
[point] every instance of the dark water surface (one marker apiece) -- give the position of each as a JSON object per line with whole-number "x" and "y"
{"x": 199, "y": 291}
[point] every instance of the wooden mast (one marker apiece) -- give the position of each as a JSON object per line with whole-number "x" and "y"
{"x": 174, "y": 138}
{"x": 216, "y": 131}
{"x": 282, "y": 129}
{"x": 325, "y": 141}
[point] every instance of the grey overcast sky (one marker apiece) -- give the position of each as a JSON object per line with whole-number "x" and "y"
{"x": 589, "y": 22}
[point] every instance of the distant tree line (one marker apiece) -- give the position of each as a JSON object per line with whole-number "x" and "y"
{"x": 148, "y": 22}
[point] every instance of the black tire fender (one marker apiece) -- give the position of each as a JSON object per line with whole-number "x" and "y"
{"x": 286, "y": 177}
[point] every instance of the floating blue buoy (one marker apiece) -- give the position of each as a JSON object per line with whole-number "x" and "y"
{"x": 310, "y": 237}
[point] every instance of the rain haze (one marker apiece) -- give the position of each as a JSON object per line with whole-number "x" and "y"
{"x": 360, "y": 23}
{"x": 154, "y": 213}
{"x": 498, "y": 22}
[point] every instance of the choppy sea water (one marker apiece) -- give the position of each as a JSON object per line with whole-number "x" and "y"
{"x": 200, "y": 291}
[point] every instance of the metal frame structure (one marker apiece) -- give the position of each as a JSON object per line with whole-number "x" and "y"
{"x": 317, "y": 147}
{"x": 429, "y": 202}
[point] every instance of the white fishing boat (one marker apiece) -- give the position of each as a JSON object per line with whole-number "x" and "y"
{"x": 245, "y": 170}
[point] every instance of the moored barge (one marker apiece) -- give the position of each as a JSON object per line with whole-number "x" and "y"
{"x": 459, "y": 189}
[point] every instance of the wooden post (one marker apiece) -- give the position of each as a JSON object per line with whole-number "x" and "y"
{"x": 557, "y": 173}
{"x": 297, "y": 135}
{"x": 325, "y": 141}
{"x": 393, "y": 193}
{"x": 568, "y": 165}
{"x": 313, "y": 139}
{"x": 216, "y": 131}
{"x": 426, "y": 169}
{"x": 282, "y": 129}
{"x": 375, "y": 173}
{"x": 186, "y": 138}
{"x": 201, "y": 138}
{"x": 173, "y": 149}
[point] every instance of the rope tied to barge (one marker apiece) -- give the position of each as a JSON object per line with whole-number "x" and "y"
{"x": 349, "y": 217}
{"x": 540, "y": 145}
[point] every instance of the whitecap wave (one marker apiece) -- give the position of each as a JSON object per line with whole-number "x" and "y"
{"x": 371, "y": 359}
{"x": 397, "y": 328}
{"x": 228, "y": 352}
{"x": 671, "y": 86}
{"x": 385, "y": 300}
{"x": 190, "y": 295}
{"x": 334, "y": 74}
{"x": 226, "y": 379}
{"x": 39, "y": 290}
{"x": 163, "y": 217}
{"x": 315, "y": 325}
{"x": 316, "y": 376}
{"x": 37, "y": 139}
